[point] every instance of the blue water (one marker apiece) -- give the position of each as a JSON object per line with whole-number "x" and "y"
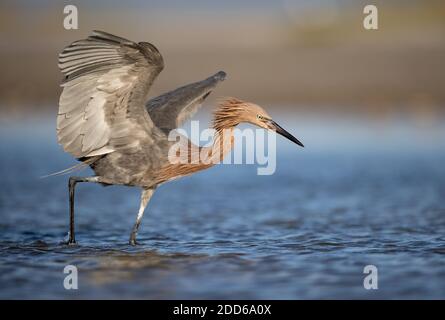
{"x": 360, "y": 193}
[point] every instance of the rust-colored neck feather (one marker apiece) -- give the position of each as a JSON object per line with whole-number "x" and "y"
{"x": 226, "y": 117}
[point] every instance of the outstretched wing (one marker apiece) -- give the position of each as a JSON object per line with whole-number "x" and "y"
{"x": 170, "y": 110}
{"x": 101, "y": 108}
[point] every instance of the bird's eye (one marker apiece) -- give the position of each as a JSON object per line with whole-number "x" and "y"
{"x": 259, "y": 117}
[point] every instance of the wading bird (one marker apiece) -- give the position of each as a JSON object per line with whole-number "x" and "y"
{"x": 105, "y": 121}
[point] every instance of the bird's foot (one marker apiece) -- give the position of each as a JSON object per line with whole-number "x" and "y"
{"x": 133, "y": 242}
{"x": 70, "y": 243}
{"x": 69, "y": 240}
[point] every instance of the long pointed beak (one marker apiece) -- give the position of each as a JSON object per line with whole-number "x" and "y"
{"x": 278, "y": 129}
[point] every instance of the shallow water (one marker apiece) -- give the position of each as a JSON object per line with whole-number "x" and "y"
{"x": 358, "y": 194}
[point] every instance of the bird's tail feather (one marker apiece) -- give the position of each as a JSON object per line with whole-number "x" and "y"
{"x": 77, "y": 167}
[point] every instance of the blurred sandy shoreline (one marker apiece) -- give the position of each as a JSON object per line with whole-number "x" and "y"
{"x": 273, "y": 58}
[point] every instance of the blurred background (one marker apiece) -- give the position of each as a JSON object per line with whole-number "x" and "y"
{"x": 282, "y": 53}
{"x": 367, "y": 189}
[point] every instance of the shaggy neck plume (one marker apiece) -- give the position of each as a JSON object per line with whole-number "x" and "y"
{"x": 226, "y": 117}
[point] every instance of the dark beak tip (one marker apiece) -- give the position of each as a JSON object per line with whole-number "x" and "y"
{"x": 286, "y": 134}
{"x": 299, "y": 143}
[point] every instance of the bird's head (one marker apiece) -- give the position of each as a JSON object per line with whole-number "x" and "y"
{"x": 235, "y": 111}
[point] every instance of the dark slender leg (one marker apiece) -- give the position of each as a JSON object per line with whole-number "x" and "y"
{"x": 71, "y": 187}
{"x": 145, "y": 197}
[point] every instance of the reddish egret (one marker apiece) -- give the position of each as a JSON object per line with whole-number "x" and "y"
{"x": 105, "y": 121}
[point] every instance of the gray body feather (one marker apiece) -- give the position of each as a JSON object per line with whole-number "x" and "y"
{"x": 103, "y": 111}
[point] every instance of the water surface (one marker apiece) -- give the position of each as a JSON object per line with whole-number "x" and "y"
{"x": 360, "y": 193}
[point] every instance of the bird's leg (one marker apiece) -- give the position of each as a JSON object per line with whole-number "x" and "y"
{"x": 145, "y": 197}
{"x": 71, "y": 186}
